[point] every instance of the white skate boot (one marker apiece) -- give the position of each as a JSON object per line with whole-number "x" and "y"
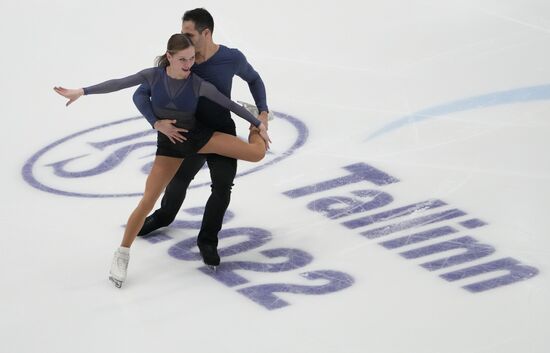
{"x": 119, "y": 266}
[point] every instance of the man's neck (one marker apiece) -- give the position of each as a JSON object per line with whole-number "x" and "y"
{"x": 209, "y": 50}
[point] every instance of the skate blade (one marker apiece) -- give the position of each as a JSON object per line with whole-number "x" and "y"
{"x": 117, "y": 282}
{"x": 212, "y": 268}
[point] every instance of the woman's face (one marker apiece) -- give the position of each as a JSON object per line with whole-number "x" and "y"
{"x": 182, "y": 60}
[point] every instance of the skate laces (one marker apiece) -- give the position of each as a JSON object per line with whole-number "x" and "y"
{"x": 122, "y": 260}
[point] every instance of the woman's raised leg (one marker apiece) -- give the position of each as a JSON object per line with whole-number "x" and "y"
{"x": 232, "y": 146}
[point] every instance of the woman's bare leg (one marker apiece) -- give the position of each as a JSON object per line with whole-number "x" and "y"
{"x": 164, "y": 169}
{"x": 231, "y": 146}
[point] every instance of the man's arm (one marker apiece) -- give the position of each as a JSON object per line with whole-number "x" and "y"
{"x": 208, "y": 90}
{"x": 255, "y": 83}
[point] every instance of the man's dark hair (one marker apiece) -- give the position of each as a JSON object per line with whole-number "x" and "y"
{"x": 202, "y": 19}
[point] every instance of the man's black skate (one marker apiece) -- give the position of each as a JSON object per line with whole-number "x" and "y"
{"x": 151, "y": 224}
{"x": 209, "y": 255}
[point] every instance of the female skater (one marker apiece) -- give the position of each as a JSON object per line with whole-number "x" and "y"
{"x": 174, "y": 94}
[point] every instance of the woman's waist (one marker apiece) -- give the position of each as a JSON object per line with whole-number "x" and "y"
{"x": 183, "y": 119}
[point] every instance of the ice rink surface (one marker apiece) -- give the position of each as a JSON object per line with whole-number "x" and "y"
{"x": 403, "y": 207}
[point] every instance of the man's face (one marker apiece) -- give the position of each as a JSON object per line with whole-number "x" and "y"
{"x": 188, "y": 27}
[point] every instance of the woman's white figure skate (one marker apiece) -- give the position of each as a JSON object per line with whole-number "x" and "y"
{"x": 119, "y": 266}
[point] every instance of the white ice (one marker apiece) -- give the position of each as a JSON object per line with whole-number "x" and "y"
{"x": 450, "y": 97}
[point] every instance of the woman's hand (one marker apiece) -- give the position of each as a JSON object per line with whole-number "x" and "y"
{"x": 70, "y": 94}
{"x": 171, "y": 131}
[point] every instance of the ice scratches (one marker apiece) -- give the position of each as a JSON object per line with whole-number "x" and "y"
{"x": 416, "y": 222}
{"x": 516, "y": 272}
{"x": 331, "y": 206}
{"x": 264, "y": 294}
{"x": 392, "y": 214}
{"x": 418, "y": 237}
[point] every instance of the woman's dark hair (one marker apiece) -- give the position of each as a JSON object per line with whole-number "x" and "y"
{"x": 202, "y": 19}
{"x": 176, "y": 43}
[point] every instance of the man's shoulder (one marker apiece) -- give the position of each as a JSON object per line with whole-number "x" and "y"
{"x": 231, "y": 52}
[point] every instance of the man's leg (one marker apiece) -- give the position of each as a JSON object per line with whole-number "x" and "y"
{"x": 222, "y": 173}
{"x": 174, "y": 195}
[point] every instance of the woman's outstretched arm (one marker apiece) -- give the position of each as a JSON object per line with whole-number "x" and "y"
{"x": 107, "y": 86}
{"x": 71, "y": 94}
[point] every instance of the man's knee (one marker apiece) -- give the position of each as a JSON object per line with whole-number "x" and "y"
{"x": 222, "y": 190}
{"x": 164, "y": 218}
{"x": 180, "y": 182}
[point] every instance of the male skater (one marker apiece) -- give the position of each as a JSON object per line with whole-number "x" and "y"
{"x": 216, "y": 64}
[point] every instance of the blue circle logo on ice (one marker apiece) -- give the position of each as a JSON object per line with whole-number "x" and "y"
{"x": 112, "y": 160}
{"x": 518, "y": 95}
